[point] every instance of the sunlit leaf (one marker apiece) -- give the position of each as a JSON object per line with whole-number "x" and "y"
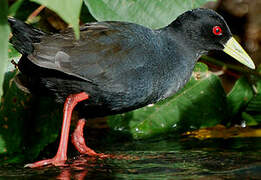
{"x": 220, "y": 131}
{"x": 150, "y": 13}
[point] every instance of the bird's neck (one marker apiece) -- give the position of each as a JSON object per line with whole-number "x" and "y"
{"x": 181, "y": 58}
{"x": 185, "y": 40}
{"x": 177, "y": 44}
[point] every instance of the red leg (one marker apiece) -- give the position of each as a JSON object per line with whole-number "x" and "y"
{"x": 61, "y": 156}
{"x": 79, "y": 141}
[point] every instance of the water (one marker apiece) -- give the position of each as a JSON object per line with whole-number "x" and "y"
{"x": 168, "y": 158}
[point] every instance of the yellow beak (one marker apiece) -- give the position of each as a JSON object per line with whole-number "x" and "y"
{"x": 233, "y": 48}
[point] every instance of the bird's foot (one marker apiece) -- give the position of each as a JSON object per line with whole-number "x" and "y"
{"x": 60, "y": 158}
{"x": 54, "y": 161}
{"x": 103, "y": 156}
{"x": 79, "y": 142}
{"x": 98, "y": 155}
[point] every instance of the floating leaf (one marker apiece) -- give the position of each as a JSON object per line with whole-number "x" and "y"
{"x": 153, "y": 14}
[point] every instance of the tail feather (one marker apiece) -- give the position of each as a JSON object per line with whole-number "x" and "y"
{"x": 24, "y": 35}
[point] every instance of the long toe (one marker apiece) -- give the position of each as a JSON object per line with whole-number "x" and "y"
{"x": 102, "y": 156}
{"x": 46, "y": 162}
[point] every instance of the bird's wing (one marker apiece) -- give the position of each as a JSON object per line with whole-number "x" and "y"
{"x": 105, "y": 49}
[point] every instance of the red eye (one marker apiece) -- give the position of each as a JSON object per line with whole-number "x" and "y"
{"x": 217, "y": 30}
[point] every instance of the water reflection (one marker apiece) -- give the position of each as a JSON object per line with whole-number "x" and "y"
{"x": 157, "y": 159}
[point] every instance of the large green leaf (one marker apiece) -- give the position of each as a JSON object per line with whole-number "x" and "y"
{"x": 68, "y": 10}
{"x": 239, "y": 96}
{"x": 255, "y": 104}
{"x": 150, "y": 13}
{"x": 201, "y": 103}
{"x": 4, "y": 34}
{"x": 252, "y": 112}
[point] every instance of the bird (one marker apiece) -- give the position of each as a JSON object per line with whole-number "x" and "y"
{"x": 115, "y": 67}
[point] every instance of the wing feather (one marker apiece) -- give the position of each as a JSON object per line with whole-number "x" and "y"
{"x": 105, "y": 51}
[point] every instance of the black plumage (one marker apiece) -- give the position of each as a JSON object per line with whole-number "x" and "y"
{"x": 122, "y": 66}
{"x": 115, "y": 66}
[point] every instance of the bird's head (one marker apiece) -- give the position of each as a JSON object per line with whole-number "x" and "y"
{"x": 205, "y": 30}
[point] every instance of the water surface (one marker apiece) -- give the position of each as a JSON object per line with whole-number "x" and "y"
{"x": 168, "y": 158}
